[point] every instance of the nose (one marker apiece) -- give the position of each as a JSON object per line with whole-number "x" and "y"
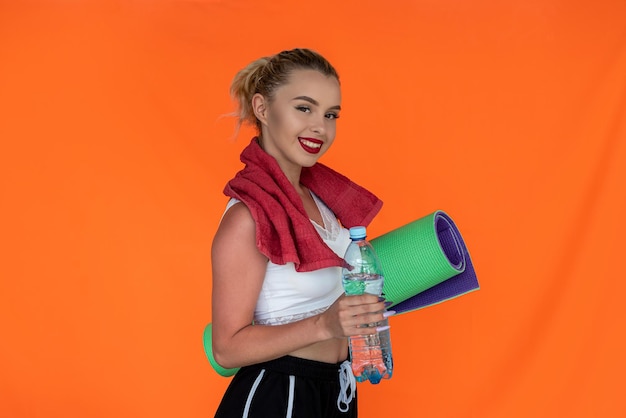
{"x": 318, "y": 124}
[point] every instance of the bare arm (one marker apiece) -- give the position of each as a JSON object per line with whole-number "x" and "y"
{"x": 238, "y": 273}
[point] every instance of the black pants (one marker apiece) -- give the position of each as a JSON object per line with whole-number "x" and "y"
{"x": 288, "y": 387}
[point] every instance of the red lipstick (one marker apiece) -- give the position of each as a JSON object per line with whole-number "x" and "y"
{"x": 311, "y": 145}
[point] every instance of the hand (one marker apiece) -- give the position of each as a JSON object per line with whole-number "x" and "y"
{"x": 351, "y": 315}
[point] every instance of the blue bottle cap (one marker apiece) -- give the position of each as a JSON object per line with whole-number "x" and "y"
{"x": 357, "y": 232}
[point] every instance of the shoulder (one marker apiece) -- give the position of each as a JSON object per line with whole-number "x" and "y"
{"x": 237, "y": 230}
{"x": 236, "y": 219}
{"x": 237, "y": 212}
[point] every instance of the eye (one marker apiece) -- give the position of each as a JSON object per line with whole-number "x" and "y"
{"x": 332, "y": 116}
{"x": 304, "y": 109}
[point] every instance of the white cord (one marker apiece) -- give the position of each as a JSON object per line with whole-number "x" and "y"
{"x": 348, "y": 386}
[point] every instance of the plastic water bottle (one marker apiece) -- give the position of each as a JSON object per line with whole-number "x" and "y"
{"x": 370, "y": 354}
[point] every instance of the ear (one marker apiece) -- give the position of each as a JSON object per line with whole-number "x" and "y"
{"x": 260, "y": 107}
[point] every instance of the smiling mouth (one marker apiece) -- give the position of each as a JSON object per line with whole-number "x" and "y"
{"x": 311, "y": 145}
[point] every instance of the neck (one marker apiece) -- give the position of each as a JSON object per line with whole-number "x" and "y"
{"x": 291, "y": 171}
{"x": 293, "y": 175}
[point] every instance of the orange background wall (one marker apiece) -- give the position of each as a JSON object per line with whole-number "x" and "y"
{"x": 508, "y": 115}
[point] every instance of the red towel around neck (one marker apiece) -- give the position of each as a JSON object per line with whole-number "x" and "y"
{"x": 284, "y": 232}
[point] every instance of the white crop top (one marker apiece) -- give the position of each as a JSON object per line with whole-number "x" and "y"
{"x": 287, "y": 295}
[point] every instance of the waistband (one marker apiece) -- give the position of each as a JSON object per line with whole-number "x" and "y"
{"x": 301, "y": 367}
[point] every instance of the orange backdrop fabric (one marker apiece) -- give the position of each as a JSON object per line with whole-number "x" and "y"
{"x": 508, "y": 115}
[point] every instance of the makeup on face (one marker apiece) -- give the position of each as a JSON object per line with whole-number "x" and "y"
{"x": 301, "y": 119}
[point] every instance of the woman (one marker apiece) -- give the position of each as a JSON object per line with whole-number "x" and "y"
{"x": 279, "y": 310}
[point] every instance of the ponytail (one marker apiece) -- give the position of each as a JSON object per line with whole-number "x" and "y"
{"x": 243, "y": 87}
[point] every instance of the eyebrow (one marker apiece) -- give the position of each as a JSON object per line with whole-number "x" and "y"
{"x": 314, "y": 102}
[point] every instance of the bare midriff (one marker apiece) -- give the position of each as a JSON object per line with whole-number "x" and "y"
{"x": 329, "y": 351}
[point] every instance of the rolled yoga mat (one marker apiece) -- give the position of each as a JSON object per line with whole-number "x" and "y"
{"x": 424, "y": 262}
{"x": 208, "y": 350}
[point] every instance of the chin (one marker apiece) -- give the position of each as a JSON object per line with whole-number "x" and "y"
{"x": 309, "y": 162}
{"x": 312, "y": 159}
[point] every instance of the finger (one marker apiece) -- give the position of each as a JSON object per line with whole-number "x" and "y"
{"x": 387, "y": 314}
{"x": 358, "y": 311}
{"x": 363, "y": 299}
{"x": 367, "y": 320}
{"x": 365, "y": 308}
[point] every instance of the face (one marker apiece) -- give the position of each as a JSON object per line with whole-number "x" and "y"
{"x": 298, "y": 125}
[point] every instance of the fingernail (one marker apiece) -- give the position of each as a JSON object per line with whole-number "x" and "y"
{"x": 388, "y": 303}
{"x": 381, "y": 299}
{"x": 387, "y": 314}
{"x": 385, "y": 328}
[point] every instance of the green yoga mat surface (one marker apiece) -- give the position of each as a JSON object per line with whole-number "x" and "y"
{"x": 424, "y": 262}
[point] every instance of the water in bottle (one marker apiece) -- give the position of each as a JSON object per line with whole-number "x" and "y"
{"x": 370, "y": 354}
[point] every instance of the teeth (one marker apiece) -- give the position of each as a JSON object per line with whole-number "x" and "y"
{"x": 310, "y": 143}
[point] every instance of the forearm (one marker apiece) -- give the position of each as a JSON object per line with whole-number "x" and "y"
{"x": 258, "y": 343}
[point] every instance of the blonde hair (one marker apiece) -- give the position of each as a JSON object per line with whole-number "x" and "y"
{"x": 266, "y": 74}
